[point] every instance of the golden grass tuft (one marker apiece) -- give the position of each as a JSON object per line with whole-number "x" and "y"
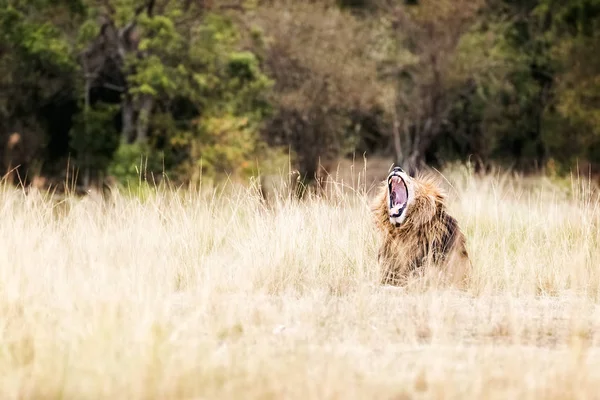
{"x": 213, "y": 294}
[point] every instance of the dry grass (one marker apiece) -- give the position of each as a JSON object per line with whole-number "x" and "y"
{"x": 212, "y": 295}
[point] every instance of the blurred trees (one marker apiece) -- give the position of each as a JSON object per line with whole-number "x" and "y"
{"x": 229, "y": 86}
{"x": 324, "y": 65}
{"x": 425, "y": 37}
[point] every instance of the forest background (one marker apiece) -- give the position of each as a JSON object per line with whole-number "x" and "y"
{"x": 215, "y": 88}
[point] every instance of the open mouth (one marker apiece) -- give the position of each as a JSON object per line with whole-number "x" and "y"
{"x": 398, "y": 195}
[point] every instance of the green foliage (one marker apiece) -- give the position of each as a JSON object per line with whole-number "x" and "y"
{"x": 38, "y": 70}
{"x": 38, "y": 42}
{"x": 219, "y": 145}
{"x": 224, "y": 137}
{"x": 245, "y": 85}
{"x": 575, "y": 42}
{"x": 93, "y": 137}
{"x": 207, "y": 86}
{"x": 223, "y": 90}
{"x": 510, "y": 98}
{"x": 134, "y": 163}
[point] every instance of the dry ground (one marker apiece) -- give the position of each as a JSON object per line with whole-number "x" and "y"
{"x": 210, "y": 294}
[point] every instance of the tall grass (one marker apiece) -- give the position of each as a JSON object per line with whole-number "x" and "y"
{"x": 215, "y": 294}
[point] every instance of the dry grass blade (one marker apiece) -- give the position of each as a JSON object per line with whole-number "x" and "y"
{"x": 211, "y": 294}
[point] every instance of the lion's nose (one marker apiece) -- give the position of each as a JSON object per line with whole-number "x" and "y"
{"x": 398, "y": 169}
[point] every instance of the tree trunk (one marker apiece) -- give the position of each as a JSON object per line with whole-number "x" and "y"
{"x": 146, "y": 104}
{"x": 127, "y": 119}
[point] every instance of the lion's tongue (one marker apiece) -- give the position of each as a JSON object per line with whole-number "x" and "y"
{"x": 399, "y": 193}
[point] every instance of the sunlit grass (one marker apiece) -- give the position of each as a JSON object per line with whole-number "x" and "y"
{"x": 217, "y": 294}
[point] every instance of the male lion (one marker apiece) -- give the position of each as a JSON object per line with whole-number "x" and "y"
{"x": 418, "y": 232}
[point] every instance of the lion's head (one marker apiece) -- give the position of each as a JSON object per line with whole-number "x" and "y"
{"x": 401, "y": 194}
{"x": 406, "y": 202}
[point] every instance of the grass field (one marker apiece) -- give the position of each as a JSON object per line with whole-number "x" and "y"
{"x": 213, "y": 295}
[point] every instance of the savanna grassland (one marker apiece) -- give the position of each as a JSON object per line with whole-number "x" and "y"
{"x": 210, "y": 293}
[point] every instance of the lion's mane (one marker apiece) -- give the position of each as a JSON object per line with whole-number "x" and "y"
{"x": 428, "y": 237}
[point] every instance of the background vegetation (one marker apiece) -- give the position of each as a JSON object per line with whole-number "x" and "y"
{"x": 213, "y": 87}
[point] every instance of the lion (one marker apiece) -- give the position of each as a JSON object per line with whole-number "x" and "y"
{"x": 418, "y": 232}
